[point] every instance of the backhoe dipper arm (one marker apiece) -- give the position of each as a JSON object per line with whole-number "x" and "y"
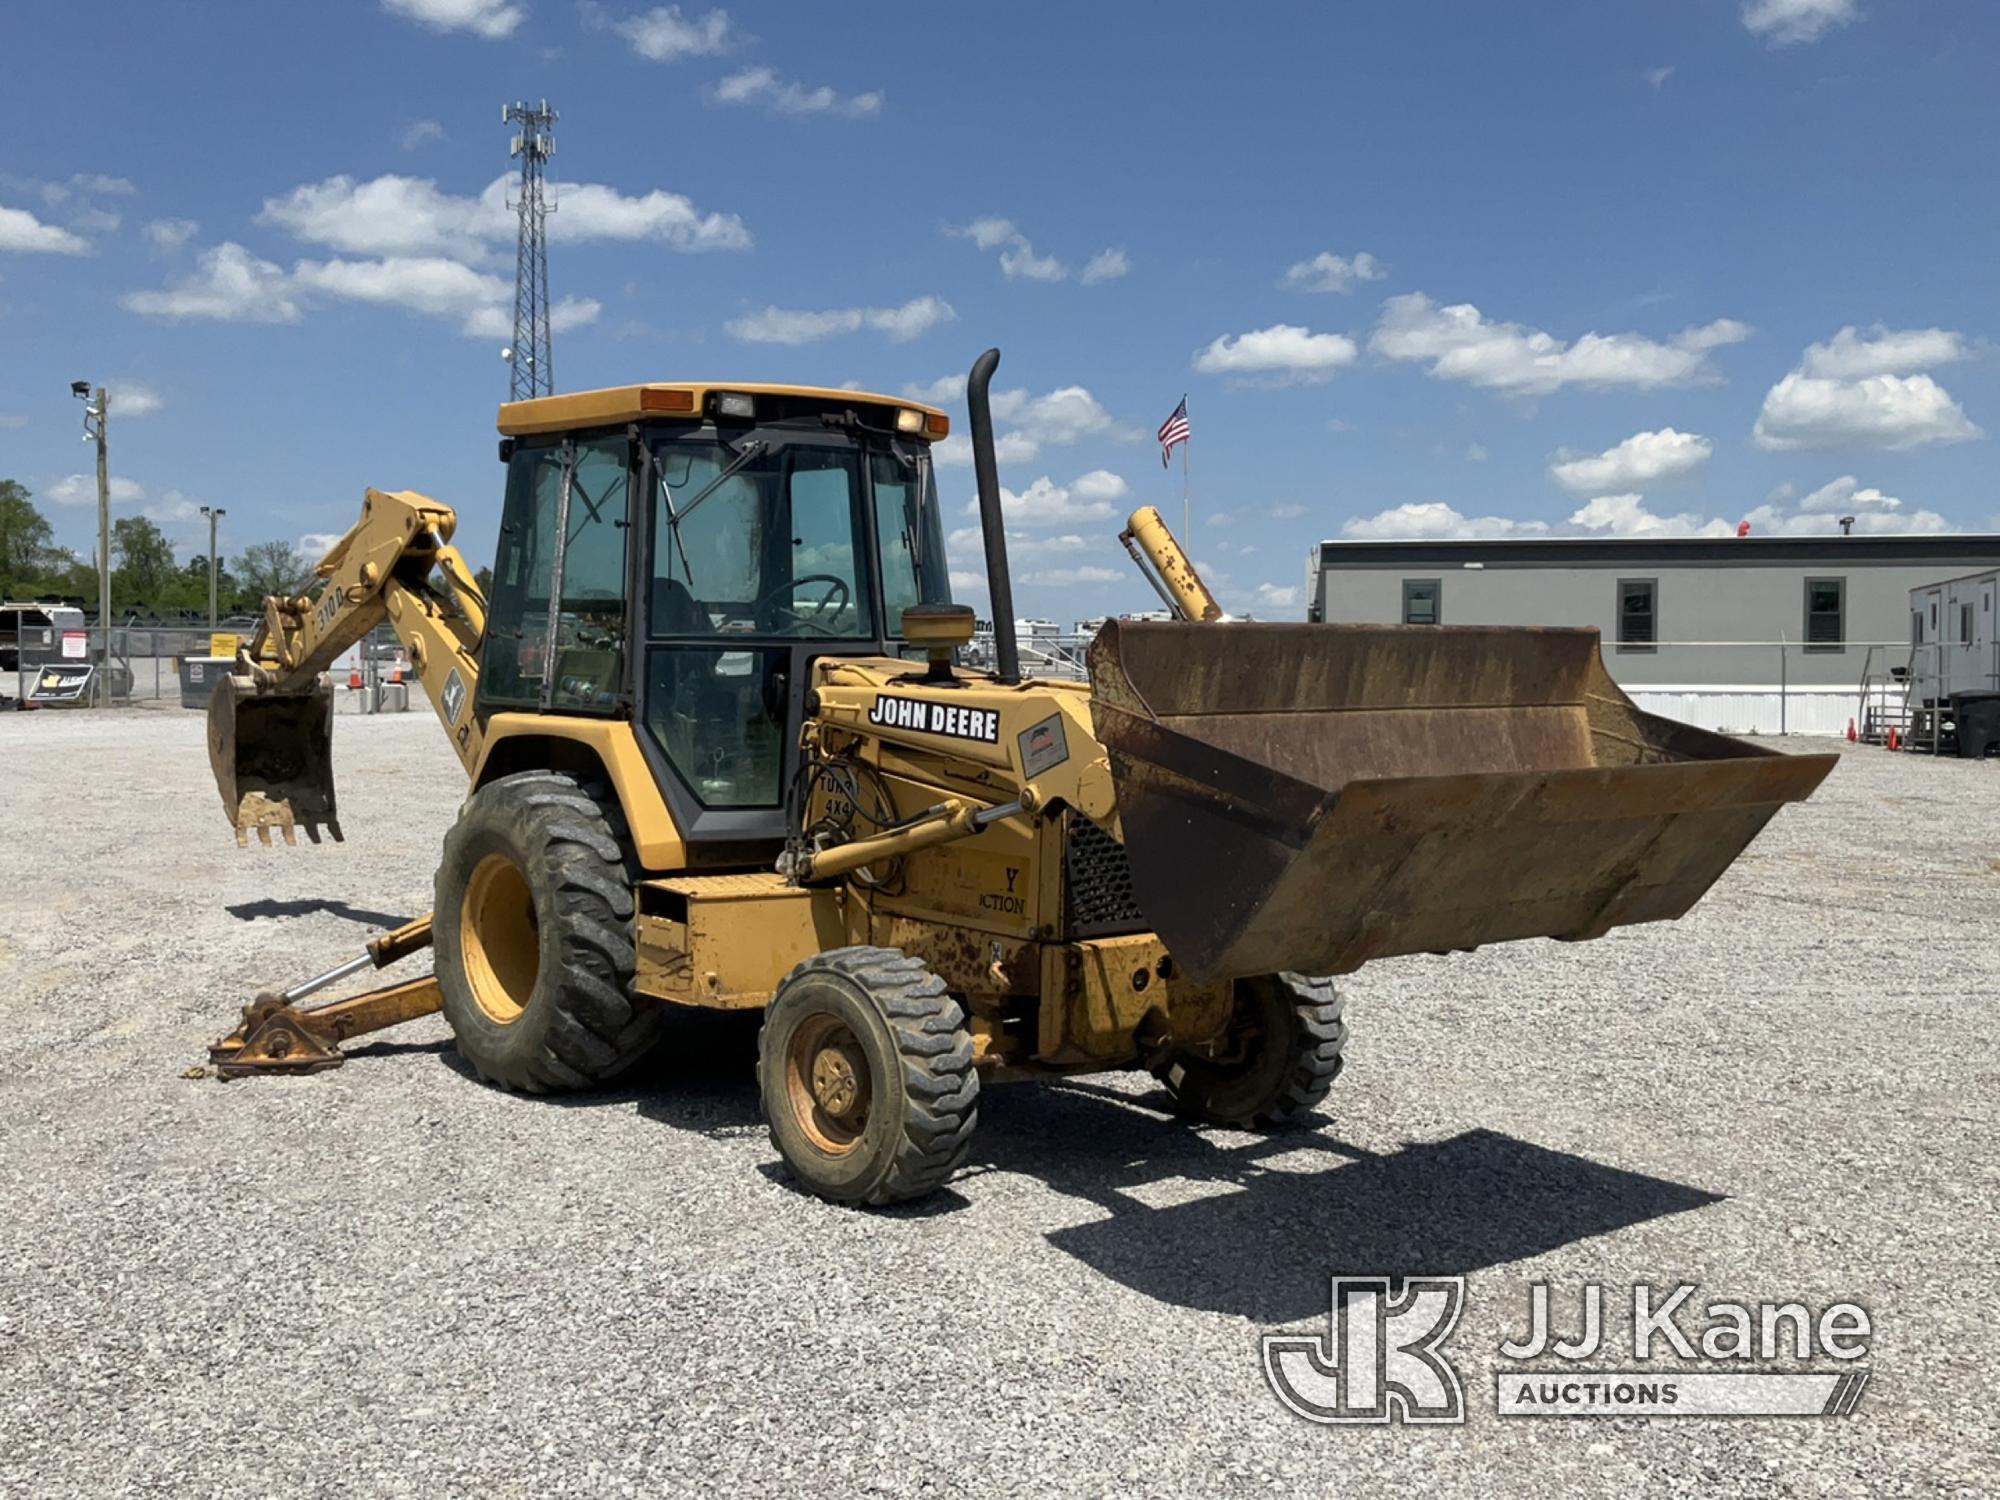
{"x": 382, "y": 569}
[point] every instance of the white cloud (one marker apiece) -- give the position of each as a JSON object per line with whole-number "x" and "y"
{"x": 1070, "y": 577}
{"x": 1656, "y": 78}
{"x": 21, "y": 231}
{"x": 1820, "y": 512}
{"x": 231, "y": 285}
{"x": 779, "y": 325}
{"x": 492, "y": 19}
{"x": 314, "y": 545}
{"x": 1064, "y": 415}
{"x": 1287, "y": 512}
{"x": 1783, "y": 23}
{"x": 1626, "y": 515}
{"x": 1880, "y": 411}
{"x": 1460, "y": 343}
{"x": 762, "y": 86}
{"x": 988, "y": 233}
{"x": 84, "y": 185}
{"x": 81, "y": 489}
{"x": 1283, "y": 352}
{"x": 1475, "y": 453}
{"x": 1643, "y": 459}
{"x": 397, "y": 215}
{"x": 1019, "y": 260}
{"x": 228, "y": 284}
{"x": 421, "y": 133}
{"x": 1046, "y": 503}
{"x": 1106, "y": 265}
{"x": 1017, "y": 255}
{"x": 1278, "y": 595}
{"x": 1327, "y": 272}
{"x": 11, "y": 421}
{"x": 1853, "y": 355}
{"x": 1435, "y": 520}
{"x": 133, "y": 398}
{"x": 663, "y": 34}
{"x": 169, "y": 234}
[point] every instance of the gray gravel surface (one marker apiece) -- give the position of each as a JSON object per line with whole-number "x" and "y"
{"x": 389, "y": 1280}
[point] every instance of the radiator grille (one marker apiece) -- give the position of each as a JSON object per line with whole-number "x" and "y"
{"x": 1097, "y": 882}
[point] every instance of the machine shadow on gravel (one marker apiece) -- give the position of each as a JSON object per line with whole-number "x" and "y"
{"x": 268, "y": 910}
{"x": 1257, "y": 1230}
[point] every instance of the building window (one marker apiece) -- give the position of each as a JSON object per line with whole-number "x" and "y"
{"x": 1916, "y": 627}
{"x": 1638, "y": 608}
{"x": 1965, "y": 622}
{"x": 1421, "y": 601}
{"x": 1826, "y": 614}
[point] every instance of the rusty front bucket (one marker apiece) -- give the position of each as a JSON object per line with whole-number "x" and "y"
{"x": 272, "y": 754}
{"x": 1309, "y": 797}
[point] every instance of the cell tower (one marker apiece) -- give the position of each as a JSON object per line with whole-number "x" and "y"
{"x": 530, "y": 358}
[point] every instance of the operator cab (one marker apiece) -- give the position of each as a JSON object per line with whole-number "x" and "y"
{"x": 702, "y": 545}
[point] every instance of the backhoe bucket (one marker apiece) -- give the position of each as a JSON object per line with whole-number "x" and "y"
{"x": 1310, "y": 797}
{"x": 272, "y": 754}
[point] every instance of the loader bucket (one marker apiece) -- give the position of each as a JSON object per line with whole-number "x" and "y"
{"x": 1310, "y": 797}
{"x": 272, "y": 754}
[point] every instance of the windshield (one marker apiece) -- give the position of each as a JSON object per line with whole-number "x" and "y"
{"x": 764, "y": 532}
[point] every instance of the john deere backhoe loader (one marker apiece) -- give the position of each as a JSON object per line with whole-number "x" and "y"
{"x": 720, "y": 756}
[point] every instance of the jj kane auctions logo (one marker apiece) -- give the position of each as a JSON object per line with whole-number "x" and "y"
{"x": 1382, "y": 1358}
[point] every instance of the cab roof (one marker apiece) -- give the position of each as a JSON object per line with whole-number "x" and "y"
{"x": 687, "y": 399}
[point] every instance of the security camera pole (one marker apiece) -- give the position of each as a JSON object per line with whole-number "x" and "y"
{"x": 96, "y": 418}
{"x": 214, "y": 514}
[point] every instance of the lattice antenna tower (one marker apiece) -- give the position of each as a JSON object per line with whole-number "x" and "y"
{"x": 530, "y": 358}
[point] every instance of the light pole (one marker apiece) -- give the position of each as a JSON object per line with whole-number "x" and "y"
{"x": 96, "y": 419}
{"x": 214, "y": 514}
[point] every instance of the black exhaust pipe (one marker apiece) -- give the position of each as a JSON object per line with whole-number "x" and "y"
{"x": 992, "y": 525}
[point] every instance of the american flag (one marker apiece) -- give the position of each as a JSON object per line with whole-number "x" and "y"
{"x": 1173, "y": 430}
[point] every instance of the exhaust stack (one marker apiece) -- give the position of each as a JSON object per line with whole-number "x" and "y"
{"x": 992, "y": 525}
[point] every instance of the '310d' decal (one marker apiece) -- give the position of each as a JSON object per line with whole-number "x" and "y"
{"x": 953, "y": 719}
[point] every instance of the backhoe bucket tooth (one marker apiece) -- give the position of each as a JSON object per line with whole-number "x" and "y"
{"x": 1310, "y": 797}
{"x": 272, "y": 754}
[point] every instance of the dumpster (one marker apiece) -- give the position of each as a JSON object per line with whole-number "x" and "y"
{"x": 199, "y": 675}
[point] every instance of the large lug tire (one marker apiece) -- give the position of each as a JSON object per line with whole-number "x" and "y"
{"x": 533, "y": 933}
{"x": 1294, "y": 1036}
{"x": 865, "y": 1069}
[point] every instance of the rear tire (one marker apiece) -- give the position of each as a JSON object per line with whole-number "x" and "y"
{"x": 1294, "y": 1054}
{"x": 533, "y": 933}
{"x": 865, "y": 1069}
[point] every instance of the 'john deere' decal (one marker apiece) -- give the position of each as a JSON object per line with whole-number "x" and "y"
{"x": 953, "y": 719}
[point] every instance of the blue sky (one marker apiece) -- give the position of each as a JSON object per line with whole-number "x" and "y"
{"x": 1421, "y": 269}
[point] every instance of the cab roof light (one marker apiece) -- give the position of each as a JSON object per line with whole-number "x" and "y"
{"x": 651, "y": 399}
{"x": 909, "y": 419}
{"x": 735, "y": 405}
{"x": 937, "y": 424}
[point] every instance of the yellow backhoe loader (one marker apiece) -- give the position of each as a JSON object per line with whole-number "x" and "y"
{"x": 721, "y": 755}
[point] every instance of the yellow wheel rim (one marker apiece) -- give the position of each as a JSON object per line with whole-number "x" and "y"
{"x": 497, "y": 935}
{"x": 827, "y": 1085}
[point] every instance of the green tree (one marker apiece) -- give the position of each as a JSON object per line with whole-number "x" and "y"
{"x": 146, "y": 570}
{"x": 271, "y": 568}
{"x": 27, "y": 545}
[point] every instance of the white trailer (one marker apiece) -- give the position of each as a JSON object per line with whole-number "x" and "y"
{"x": 1955, "y": 661}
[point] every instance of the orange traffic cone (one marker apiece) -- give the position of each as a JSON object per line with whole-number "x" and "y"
{"x": 1895, "y": 739}
{"x": 1851, "y": 735}
{"x": 354, "y": 677}
{"x": 396, "y": 673}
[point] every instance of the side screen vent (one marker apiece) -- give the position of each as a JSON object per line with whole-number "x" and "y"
{"x": 1097, "y": 883}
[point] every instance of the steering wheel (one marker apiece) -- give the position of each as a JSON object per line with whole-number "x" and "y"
{"x": 835, "y": 598}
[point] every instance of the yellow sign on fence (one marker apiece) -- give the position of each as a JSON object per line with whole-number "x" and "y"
{"x": 224, "y": 643}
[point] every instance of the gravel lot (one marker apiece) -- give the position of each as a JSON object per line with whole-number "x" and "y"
{"x": 389, "y": 1280}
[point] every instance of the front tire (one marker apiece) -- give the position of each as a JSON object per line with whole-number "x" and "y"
{"x": 865, "y": 1069}
{"x": 1291, "y": 1048}
{"x": 534, "y": 935}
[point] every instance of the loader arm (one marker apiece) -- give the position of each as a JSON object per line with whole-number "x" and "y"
{"x": 271, "y": 728}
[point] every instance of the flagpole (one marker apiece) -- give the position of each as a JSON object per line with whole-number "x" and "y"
{"x": 1187, "y": 523}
